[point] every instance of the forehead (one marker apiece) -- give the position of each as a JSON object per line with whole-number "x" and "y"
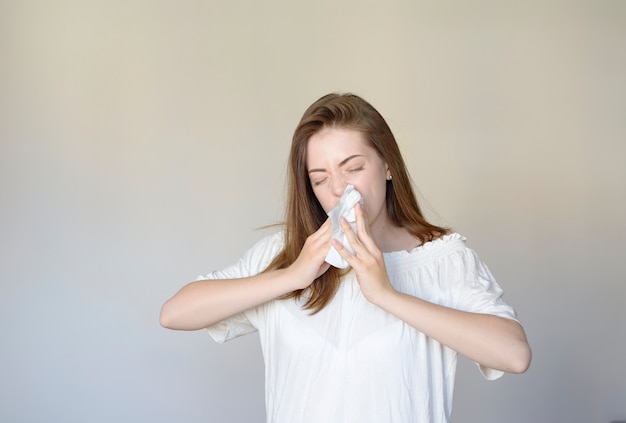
{"x": 335, "y": 144}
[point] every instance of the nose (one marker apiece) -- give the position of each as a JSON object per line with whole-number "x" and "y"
{"x": 337, "y": 186}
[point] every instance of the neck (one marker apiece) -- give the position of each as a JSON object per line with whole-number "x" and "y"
{"x": 390, "y": 237}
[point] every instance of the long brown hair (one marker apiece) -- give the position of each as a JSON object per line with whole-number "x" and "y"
{"x": 304, "y": 214}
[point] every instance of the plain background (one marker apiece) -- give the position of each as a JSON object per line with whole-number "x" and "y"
{"x": 144, "y": 143}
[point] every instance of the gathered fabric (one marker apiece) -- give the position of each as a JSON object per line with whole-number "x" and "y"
{"x": 352, "y": 361}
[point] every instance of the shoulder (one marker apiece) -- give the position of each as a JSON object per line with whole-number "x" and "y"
{"x": 444, "y": 245}
{"x": 437, "y": 247}
{"x": 266, "y": 248}
{"x": 253, "y": 261}
{"x": 448, "y": 248}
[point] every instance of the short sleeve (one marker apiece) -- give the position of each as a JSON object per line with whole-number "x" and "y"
{"x": 254, "y": 261}
{"x": 477, "y": 291}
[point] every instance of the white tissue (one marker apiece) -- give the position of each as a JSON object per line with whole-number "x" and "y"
{"x": 345, "y": 208}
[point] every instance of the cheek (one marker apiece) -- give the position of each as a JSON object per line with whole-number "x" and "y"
{"x": 373, "y": 194}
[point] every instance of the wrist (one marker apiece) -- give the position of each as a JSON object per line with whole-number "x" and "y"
{"x": 384, "y": 298}
{"x": 295, "y": 279}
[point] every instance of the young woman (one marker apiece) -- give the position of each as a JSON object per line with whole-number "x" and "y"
{"x": 378, "y": 341}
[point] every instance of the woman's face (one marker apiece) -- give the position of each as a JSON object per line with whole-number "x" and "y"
{"x": 337, "y": 157}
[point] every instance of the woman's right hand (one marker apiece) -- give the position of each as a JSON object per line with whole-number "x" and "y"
{"x": 311, "y": 263}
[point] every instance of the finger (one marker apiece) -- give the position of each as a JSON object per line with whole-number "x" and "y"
{"x": 323, "y": 230}
{"x": 352, "y": 238}
{"x": 344, "y": 253}
{"x": 362, "y": 221}
{"x": 318, "y": 243}
{"x": 324, "y": 235}
{"x": 325, "y": 226}
{"x": 361, "y": 217}
{"x": 347, "y": 228}
{"x": 363, "y": 228}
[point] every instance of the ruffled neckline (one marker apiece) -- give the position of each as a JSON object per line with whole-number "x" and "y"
{"x": 428, "y": 246}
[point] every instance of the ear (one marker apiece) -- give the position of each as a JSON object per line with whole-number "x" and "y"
{"x": 387, "y": 172}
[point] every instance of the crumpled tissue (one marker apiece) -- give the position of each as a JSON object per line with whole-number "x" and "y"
{"x": 344, "y": 208}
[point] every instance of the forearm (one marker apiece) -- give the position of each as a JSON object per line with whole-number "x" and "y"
{"x": 492, "y": 341}
{"x": 203, "y": 303}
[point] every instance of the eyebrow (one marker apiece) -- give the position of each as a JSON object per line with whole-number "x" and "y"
{"x": 343, "y": 162}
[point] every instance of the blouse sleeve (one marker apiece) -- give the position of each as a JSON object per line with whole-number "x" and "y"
{"x": 477, "y": 291}
{"x": 254, "y": 261}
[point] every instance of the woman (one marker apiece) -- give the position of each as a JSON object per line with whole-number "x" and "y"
{"x": 378, "y": 341}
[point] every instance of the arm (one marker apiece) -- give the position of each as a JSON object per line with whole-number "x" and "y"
{"x": 203, "y": 303}
{"x": 492, "y": 341}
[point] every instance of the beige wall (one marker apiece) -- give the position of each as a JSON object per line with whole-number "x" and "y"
{"x": 142, "y": 143}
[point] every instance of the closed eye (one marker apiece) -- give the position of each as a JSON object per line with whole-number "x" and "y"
{"x": 356, "y": 169}
{"x": 318, "y": 182}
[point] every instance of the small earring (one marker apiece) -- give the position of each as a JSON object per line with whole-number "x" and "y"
{"x": 389, "y": 178}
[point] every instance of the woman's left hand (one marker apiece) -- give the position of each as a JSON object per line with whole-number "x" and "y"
{"x": 367, "y": 260}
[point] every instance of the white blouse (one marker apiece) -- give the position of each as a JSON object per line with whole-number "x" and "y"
{"x": 352, "y": 361}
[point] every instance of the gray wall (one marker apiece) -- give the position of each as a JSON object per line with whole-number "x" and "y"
{"x": 143, "y": 143}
